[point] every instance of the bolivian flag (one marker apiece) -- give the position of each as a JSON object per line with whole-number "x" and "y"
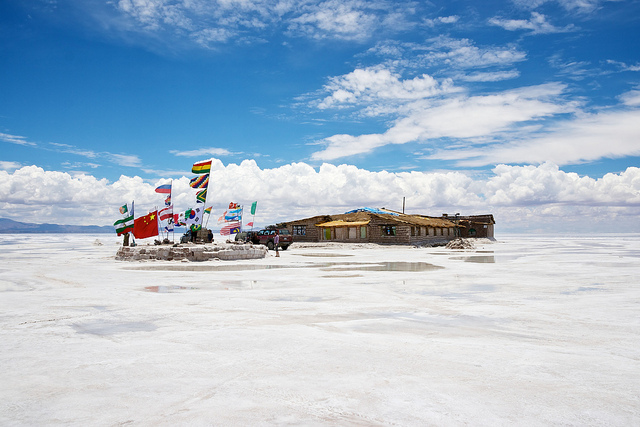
{"x": 201, "y": 167}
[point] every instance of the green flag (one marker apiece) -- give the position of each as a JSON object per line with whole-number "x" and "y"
{"x": 124, "y": 225}
{"x": 254, "y": 205}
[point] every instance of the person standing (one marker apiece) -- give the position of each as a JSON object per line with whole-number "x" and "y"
{"x": 276, "y": 242}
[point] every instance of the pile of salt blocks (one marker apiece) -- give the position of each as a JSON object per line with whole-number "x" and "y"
{"x": 192, "y": 252}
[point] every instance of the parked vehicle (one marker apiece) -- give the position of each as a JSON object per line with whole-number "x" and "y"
{"x": 265, "y": 237}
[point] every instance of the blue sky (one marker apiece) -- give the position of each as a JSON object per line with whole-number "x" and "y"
{"x": 131, "y": 90}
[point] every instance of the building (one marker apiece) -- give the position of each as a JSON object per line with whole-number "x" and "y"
{"x": 476, "y": 225}
{"x": 368, "y": 225}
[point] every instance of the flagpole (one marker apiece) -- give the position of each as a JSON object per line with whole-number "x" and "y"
{"x": 173, "y": 229}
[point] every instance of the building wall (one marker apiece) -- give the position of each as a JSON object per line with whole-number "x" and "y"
{"x": 404, "y": 233}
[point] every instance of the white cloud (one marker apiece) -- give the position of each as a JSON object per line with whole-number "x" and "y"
{"x": 216, "y": 22}
{"x": 442, "y": 20}
{"x": 622, "y": 66}
{"x": 124, "y": 159}
{"x": 458, "y": 117}
{"x": 611, "y": 134}
{"x": 462, "y": 53}
{"x": 494, "y": 76}
{"x": 203, "y": 152}
{"x": 15, "y": 139}
{"x": 337, "y": 19}
{"x": 521, "y": 197}
{"x": 631, "y": 98}
{"x": 9, "y": 166}
{"x": 536, "y": 25}
{"x": 580, "y": 6}
{"x": 378, "y": 84}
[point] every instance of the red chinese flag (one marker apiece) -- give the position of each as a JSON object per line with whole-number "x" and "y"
{"x": 146, "y": 226}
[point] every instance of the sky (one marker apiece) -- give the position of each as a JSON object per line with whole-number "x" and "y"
{"x": 529, "y": 110}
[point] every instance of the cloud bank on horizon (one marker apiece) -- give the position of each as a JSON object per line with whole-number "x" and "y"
{"x": 522, "y": 198}
{"x": 528, "y": 109}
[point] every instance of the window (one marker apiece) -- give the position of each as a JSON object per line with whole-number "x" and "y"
{"x": 299, "y": 230}
{"x": 388, "y": 230}
{"x": 413, "y": 231}
{"x": 363, "y": 232}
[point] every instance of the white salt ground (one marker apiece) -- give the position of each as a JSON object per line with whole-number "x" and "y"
{"x": 523, "y": 331}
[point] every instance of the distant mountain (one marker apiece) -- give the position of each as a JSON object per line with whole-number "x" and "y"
{"x": 9, "y": 226}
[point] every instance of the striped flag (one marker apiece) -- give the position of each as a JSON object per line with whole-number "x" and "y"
{"x": 164, "y": 189}
{"x": 202, "y": 196}
{"x": 201, "y": 167}
{"x": 232, "y": 228}
{"x": 208, "y": 210}
{"x": 201, "y": 181}
{"x": 165, "y": 213}
{"x": 124, "y": 225}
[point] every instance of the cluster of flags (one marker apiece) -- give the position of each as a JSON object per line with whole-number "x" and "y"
{"x": 143, "y": 227}
{"x": 148, "y": 225}
{"x": 232, "y": 218}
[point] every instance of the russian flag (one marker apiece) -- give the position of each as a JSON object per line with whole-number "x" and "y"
{"x": 164, "y": 189}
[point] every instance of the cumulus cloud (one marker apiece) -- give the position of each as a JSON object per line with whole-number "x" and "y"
{"x": 521, "y": 197}
{"x": 537, "y": 24}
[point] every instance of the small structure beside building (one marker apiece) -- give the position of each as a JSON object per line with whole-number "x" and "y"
{"x": 384, "y": 226}
{"x": 480, "y": 226}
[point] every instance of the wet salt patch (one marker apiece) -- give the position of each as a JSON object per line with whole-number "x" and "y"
{"x": 388, "y": 266}
{"x": 327, "y": 255}
{"x": 482, "y": 259}
{"x": 327, "y": 266}
{"x": 166, "y": 289}
{"x": 103, "y": 328}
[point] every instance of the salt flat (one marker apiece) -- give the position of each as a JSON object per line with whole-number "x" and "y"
{"x": 528, "y": 330}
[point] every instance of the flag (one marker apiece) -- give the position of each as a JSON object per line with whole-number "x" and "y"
{"x": 124, "y": 225}
{"x": 167, "y": 201}
{"x": 164, "y": 189}
{"x": 233, "y": 215}
{"x": 201, "y": 167}
{"x": 201, "y": 181}
{"x": 178, "y": 219}
{"x": 202, "y": 196}
{"x": 254, "y": 205}
{"x": 146, "y": 226}
{"x": 233, "y": 205}
{"x": 208, "y": 210}
{"x": 166, "y": 213}
{"x": 250, "y": 224}
{"x": 221, "y": 219}
{"x": 193, "y": 216}
{"x": 232, "y": 228}
{"x": 123, "y": 209}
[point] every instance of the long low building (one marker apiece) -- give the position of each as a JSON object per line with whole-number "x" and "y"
{"x": 368, "y": 225}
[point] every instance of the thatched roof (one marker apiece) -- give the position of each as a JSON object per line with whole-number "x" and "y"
{"x": 363, "y": 218}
